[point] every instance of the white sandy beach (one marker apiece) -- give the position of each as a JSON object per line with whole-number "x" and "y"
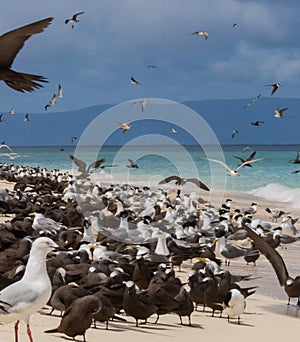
{"x": 267, "y": 314}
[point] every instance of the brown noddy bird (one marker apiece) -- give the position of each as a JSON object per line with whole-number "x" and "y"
{"x": 10, "y": 44}
{"x": 181, "y": 181}
{"x": 78, "y": 317}
{"x": 290, "y": 285}
{"x": 186, "y": 306}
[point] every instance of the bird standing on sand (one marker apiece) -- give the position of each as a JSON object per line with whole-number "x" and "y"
{"x": 74, "y": 19}
{"x": 28, "y": 295}
{"x": 200, "y": 33}
{"x": 234, "y": 304}
{"x": 181, "y": 181}
{"x": 274, "y": 87}
{"x": 10, "y": 44}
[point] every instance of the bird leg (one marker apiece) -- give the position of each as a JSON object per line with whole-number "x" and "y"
{"x": 29, "y": 333}
{"x": 16, "y": 331}
{"x": 157, "y": 318}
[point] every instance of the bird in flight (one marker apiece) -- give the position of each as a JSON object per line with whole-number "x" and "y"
{"x": 125, "y": 126}
{"x": 257, "y": 123}
{"x": 26, "y": 118}
{"x": 73, "y": 139}
{"x": 74, "y": 19}
{"x": 132, "y": 164}
{"x": 60, "y": 92}
{"x": 274, "y": 87}
{"x": 251, "y": 102}
{"x": 246, "y": 161}
{"x": 297, "y": 159}
{"x": 1, "y": 118}
{"x": 134, "y": 81}
{"x": 51, "y": 102}
{"x": 234, "y": 132}
{"x": 234, "y": 172}
{"x": 82, "y": 167}
{"x": 173, "y": 130}
{"x": 278, "y": 112}
{"x": 200, "y": 33}
{"x": 10, "y": 44}
{"x": 181, "y": 181}
{"x": 143, "y": 103}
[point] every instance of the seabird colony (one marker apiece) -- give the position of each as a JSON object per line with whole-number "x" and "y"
{"x": 121, "y": 245}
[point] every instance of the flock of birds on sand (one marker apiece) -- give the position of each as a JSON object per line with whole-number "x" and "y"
{"x": 97, "y": 253}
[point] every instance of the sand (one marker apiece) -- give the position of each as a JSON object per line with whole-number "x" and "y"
{"x": 267, "y": 314}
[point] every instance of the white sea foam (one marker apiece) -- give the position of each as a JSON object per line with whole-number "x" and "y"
{"x": 279, "y": 193}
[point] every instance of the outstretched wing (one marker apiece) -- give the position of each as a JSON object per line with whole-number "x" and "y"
{"x": 247, "y": 162}
{"x": 169, "y": 179}
{"x": 198, "y": 183}
{"x": 96, "y": 164}
{"x": 12, "y": 42}
{"x": 271, "y": 254}
{"x": 220, "y": 162}
{"x": 81, "y": 164}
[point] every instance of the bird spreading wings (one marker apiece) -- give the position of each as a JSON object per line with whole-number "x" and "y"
{"x": 246, "y": 161}
{"x": 82, "y": 165}
{"x": 10, "y": 44}
{"x": 182, "y": 181}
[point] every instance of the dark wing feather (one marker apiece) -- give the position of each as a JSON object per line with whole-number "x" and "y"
{"x": 81, "y": 164}
{"x": 12, "y": 42}
{"x": 169, "y": 179}
{"x": 271, "y": 254}
{"x": 198, "y": 183}
{"x": 251, "y": 156}
{"x": 76, "y": 15}
{"x": 96, "y": 164}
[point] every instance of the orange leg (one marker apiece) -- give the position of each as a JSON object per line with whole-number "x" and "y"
{"x": 16, "y": 330}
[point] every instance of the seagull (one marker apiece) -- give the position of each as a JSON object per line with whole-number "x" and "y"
{"x": 6, "y": 146}
{"x": 290, "y": 285}
{"x": 60, "y": 93}
{"x": 26, "y": 118}
{"x": 257, "y": 123}
{"x": 278, "y": 112}
{"x": 230, "y": 171}
{"x": 142, "y": 102}
{"x": 28, "y": 295}
{"x": 10, "y": 44}
{"x": 181, "y": 181}
{"x": 73, "y": 19}
{"x": 274, "y": 86}
{"x": 251, "y": 102}
{"x": 246, "y": 160}
{"x": 132, "y": 164}
{"x": 200, "y": 33}
{"x": 51, "y": 102}
{"x": 82, "y": 166}
{"x": 134, "y": 81}
{"x": 125, "y": 126}
{"x": 234, "y": 132}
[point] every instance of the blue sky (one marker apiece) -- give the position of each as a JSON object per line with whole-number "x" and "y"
{"x": 117, "y": 39}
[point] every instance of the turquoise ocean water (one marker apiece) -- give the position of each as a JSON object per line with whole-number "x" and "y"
{"x": 270, "y": 177}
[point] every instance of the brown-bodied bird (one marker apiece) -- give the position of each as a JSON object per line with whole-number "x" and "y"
{"x": 246, "y": 160}
{"x": 274, "y": 87}
{"x": 82, "y": 167}
{"x": 78, "y": 317}
{"x": 181, "y": 181}
{"x": 10, "y": 44}
{"x": 291, "y": 285}
{"x": 73, "y": 19}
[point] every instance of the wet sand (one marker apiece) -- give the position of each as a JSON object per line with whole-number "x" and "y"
{"x": 267, "y": 314}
